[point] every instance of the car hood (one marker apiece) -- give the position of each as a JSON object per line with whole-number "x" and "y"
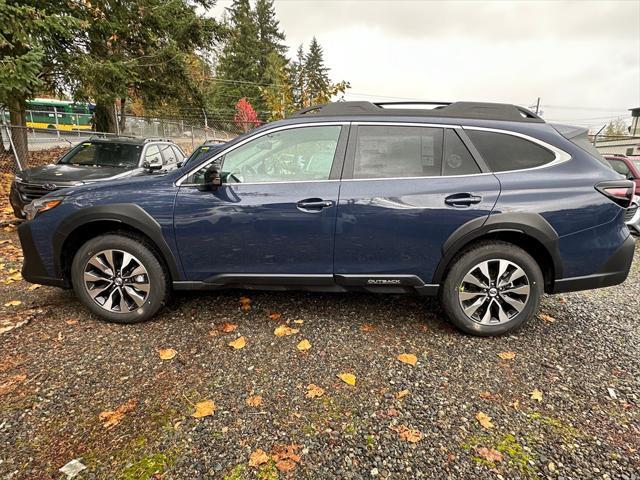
{"x": 72, "y": 174}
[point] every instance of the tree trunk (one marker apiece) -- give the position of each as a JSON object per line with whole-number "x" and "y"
{"x": 105, "y": 117}
{"x": 18, "y": 117}
{"x": 123, "y": 118}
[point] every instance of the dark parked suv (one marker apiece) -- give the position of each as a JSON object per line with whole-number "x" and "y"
{"x": 96, "y": 160}
{"x": 485, "y": 205}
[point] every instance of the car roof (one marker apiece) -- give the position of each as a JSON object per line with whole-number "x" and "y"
{"x": 128, "y": 140}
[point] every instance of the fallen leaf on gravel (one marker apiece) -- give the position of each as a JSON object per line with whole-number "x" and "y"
{"x": 275, "y": 315}
{"x": 515, "y": 404}
{"x": 204, "y": 409}
{"x": 167, "y": 353}
{"x": 348, "y": 378}
{"x": 238, "y": 343}
{"x": 35, "y": 286}
{"x": 9, "y": 385}
{"x": 409, "y": 358}
{"x": 314, "y": 391}
{"x": 487, "y": 395}
{"x": 284, "y": 330}
{"x": 228, "y": 327}
{"x": 258, "y": 458}
{"x": 112, "y": 418}
{"x": 285, "y": 465}
{"x": 245, "y": 303}
{"x": 507, "y": 355}
{"x": 298, "y": 322}
{"x": 484, "y": 420}
{"x": 546, "y": 318}
{"x": 13, "y": 303}
{"x": 409, "y": 434}
{"x": 562, "y": 300}
{"x": 367, "y": 327}
{"x": 72, "y": 321}
{"x": 402, "y": 394}
{"x": 285, "y": 457}
{"x": 254, "y": 401}
{"x": 536, "y": 395}
{"x": 304, "y": 345}
{"x": 489, "y": 454}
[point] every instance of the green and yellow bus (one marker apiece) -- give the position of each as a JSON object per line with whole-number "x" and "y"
{"x": 56, "y": 114}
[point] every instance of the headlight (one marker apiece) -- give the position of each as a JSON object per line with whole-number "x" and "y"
{"x": 41, "y": 205}
{"x": 19, "y": 179}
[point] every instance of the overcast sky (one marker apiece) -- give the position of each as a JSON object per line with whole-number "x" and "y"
{"x": 581, "y": 57}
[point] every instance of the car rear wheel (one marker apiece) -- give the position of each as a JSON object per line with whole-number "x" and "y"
{"x": 492, "y": 289}
{"x": 119, "y": 279}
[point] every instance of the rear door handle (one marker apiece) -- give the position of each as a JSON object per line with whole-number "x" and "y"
{"x": 314, "y": 204}
{"x": 462, "y": 200}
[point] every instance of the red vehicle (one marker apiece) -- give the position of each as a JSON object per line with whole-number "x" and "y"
{"x": 627, "y": 166}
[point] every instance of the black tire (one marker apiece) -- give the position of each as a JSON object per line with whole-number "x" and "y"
{"x": 155, "y": 274}
{"x": 490, "y": 250}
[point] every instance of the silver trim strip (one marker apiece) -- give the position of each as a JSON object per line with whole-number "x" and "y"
{"x": 178, "y": 182}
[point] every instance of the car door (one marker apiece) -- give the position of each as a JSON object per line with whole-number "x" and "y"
{"x": 273, "y": 218}
{"x": 405, "y": 190}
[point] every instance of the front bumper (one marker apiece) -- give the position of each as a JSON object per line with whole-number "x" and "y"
{"x": 33, "y": 270}
{"x": 16, "y": 201}
{"x": 614, "y": 272}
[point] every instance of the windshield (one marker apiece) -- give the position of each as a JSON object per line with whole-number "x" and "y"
{"x": 199, "y": 153}
{"x": 98, "y": 154}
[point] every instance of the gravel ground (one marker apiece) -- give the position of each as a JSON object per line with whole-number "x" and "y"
{"x": 60, "y": 368}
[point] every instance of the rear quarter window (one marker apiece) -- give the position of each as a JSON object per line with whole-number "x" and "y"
{"x": 503, "y": 152}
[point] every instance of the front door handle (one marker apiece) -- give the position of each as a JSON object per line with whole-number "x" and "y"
{"x": 462, "y": 200}
{"x": 314, "y": 204}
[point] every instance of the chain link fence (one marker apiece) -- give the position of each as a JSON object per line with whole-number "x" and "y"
{"x": 31, "y": 146}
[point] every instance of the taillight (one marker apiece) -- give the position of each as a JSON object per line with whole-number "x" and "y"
{"x": 619, "y": 191}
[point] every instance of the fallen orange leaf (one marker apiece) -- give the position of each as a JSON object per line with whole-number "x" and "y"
{"x": 258, "y": 458}
{"x": 402, "y": 394}
{"x": 204, "y": 409}
{"x": 228, "y": 327}
{"x": 409, "y": 434}
{"x": 490, "y": 454}
{"x": 409, "y": 358}
{"x": 348, "y": 378}
{"x": 284, "y": 330}
{"x": 113, "y": 418}
{"x": 254, "y": 401}
{"x": 238, "y": 343}
{"x": 275, "y": 315}
{"x": 167, "y": 353}
{"x": 314, "y": 391}
{"x": 484, "y": 420}
{"x": 547, "y": 318}
{"x": 507, "y": 355}
{"x": 304, "y": 345}
{"x": 367, "y": 327}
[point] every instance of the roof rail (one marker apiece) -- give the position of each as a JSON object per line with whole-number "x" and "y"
{"x": 471, "y": 110}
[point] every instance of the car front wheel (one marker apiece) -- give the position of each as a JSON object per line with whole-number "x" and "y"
{"x": 119, "y": 278}
{"x": 492, "y": 289}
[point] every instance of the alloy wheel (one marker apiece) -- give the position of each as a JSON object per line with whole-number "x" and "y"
{"x": 117, "y": 281}
{"x": 494, "y": 291}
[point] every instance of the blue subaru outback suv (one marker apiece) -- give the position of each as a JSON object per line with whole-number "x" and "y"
{"x": 485, "y": 205}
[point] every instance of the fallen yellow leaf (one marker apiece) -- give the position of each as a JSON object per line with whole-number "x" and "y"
{"x": 409, "y": 358}
{"x": 348, "y": 378}
{"x": 112, "y": 418}
{"x": 314, "y": 391}
{"x": 536, "y": 395}
{"x": 167, "y": 353}
{"x": 275, "y": 315}
{"x": 13, "y": 303}
{"x": 258, "y": 458}
{"x": 35, "y": 286}
{"x": 484, "y": 420}
{"x": 402, "y": 394}
{"x": 298, "y": 322}
{"x": 409, "y": 434}
{"x": 238, "y": 343}
{"x": 284, "y": 330}
{"x": 204, "y": 409}
{"x": 71, "y": 321}
{"x": 304, "y": 345}
{"x": 254, "y": 401}
{"x": 507, "y": 355}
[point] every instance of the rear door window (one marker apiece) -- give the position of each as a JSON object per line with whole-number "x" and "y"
{"x": 397, "y": 151}
{"x": 503, "y": 152}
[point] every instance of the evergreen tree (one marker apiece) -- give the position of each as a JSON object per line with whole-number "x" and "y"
{"x": 277, "y": 95}
{"x": 238, "y": 71}
{"x": 616, "y": 128}
{"x": 298, "y": 80}
{"x": 270, "y": 36}
{"x": 316, "y": 75}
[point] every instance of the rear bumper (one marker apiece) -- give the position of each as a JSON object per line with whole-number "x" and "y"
{"x": 33, "y": 270}
{"x": 614, "y": 272}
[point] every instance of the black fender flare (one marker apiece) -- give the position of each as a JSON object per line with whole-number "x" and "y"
{"x": 529, "y": 224}
{"x": 128, "y": 214}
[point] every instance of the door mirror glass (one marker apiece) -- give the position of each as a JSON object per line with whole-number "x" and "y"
{"x": 211, "y": 177}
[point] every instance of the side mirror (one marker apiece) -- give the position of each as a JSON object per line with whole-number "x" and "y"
{"x": 154, "y": 164}
{"x": 212, "y": 177}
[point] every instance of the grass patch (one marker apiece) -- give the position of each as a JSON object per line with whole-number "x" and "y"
{"x": 145, "y": 467}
